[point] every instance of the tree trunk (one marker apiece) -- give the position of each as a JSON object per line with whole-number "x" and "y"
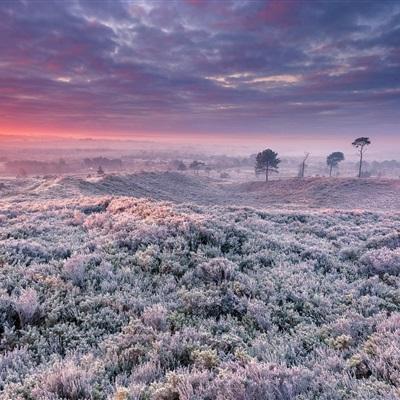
{"x": 266, "y": 174}
{"x": 361, "y": 160}
{"x": 330, "y": 170}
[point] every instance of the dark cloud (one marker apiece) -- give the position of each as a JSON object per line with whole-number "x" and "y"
{"x": 193, "y": 65}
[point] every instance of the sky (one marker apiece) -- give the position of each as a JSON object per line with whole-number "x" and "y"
{"x": 208, "y": 69}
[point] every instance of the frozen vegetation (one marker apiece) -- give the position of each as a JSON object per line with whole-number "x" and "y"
{"x": 340, "y": 193}
{"x": 108, "y": 296}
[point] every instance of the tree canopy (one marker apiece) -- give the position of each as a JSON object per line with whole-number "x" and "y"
{"x": 333, "y": 160}
{"x": 267, "y": 161}
{"x": 361, "y": 142}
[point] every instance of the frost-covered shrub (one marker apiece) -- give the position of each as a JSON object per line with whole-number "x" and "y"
{"x": 205, "y": 358}
{"x": 156, "y": 317}
{"x": 137, "y": 299}
{"x": 322, "y": 260}
{"x": 74, "y": 269}
{"x": 176, "y": 350}
{"x": 27, "y": 251}
{"x": 342, "y": 342}
{"x": 78, "y": 218}
{"x": 121, "y": 393}
{"x": 349, "y": 254}
{"x": 65, "y": 381}
{"x": 27, "y": 307}
{"x": 259, "y": 312}
{"x": 380, "y": 355}
{"x": 262, "y": 381}
{"x": 129, "y": 348}
{"x": 382, "y": 261}
{"x": 390, "y": 240}
{"x": 14, "y": 366}
{"x": 9, "y": 316}
{"x": 183, "y": 385}
{"x": 216, "y": 270}
{"x": 146, "y": 373}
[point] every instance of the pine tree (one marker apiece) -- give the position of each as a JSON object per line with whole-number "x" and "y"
{"x": 267, "y": 161}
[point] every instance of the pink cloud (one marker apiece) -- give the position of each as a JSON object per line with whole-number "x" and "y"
{"x": 278, "y": 12}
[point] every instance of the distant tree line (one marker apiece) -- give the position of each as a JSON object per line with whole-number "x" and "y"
{"x": 103, "y": 162}
{"x": 268, "y": 162}
{"x": 24, "y": 167}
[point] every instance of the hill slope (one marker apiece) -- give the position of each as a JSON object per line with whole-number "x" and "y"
{"x": 338, "y": 193}
{"x": 342, "y": 193}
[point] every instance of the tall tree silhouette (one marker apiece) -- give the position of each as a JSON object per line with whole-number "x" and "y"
{"x": 360, "y": 144}
{"x": 267, "y": 161}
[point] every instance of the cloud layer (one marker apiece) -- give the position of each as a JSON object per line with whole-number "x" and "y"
{"x": 283, "y": 67}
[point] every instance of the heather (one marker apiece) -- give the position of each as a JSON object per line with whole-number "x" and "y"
{"x": 112, "y": 297}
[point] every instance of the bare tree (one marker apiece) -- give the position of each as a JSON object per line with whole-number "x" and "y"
{"x": 303, "y": 165}
{"x": 360, "y": 144}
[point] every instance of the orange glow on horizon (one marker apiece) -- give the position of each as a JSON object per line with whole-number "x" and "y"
{"x": 291, "y": 144}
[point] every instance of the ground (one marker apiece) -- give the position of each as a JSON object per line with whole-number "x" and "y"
{"x": 317, "y": 193}
{"x": 168, "y": 286}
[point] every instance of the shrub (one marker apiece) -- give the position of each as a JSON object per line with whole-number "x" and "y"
{"x": 156, "y": 317}
{"x": 381, "y": 351}
{"x": 65, "y": 380}
{"x": 182, "y": 301}
{"x": 27, "y": 306}
{"x": 74, "y": 269}
{"x": 382, "y": 261}
{"x": 205, "y": 358}
{"x": 216, "y": 270}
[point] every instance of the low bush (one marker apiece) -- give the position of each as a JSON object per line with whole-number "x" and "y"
{"x": 122, "y": 298}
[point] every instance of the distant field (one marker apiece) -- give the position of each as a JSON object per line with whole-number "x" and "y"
{"x": 285, "y": 290}
{"x": 338, "y": 193}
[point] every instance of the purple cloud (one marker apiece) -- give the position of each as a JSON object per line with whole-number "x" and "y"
{"x": 201, "y": 65}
